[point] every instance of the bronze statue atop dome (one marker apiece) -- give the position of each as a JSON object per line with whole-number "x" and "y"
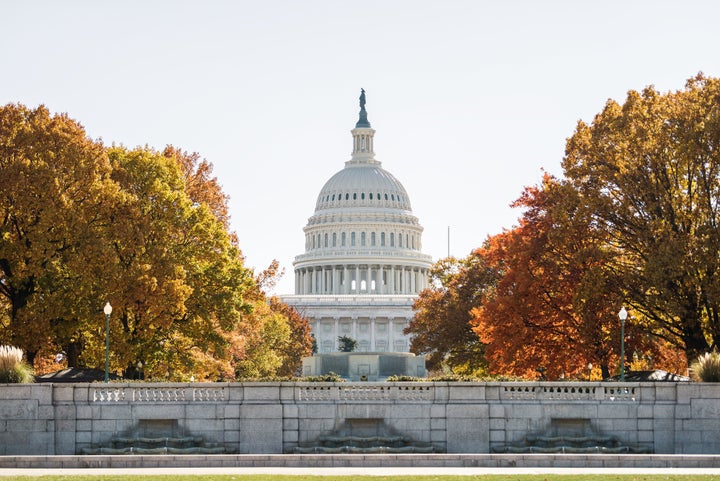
{"x": 362, "y": 121}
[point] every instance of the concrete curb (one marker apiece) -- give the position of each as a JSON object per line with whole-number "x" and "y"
{"x": 321, "y": 461}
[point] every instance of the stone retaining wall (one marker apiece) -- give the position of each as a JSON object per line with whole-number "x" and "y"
{"x": 273, "y": 418}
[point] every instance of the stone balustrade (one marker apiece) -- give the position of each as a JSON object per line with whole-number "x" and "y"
{"x": 272, "y": 418}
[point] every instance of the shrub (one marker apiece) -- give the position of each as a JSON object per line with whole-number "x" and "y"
{"x": 12, "y": 367}
{"x": 707, "y": 367}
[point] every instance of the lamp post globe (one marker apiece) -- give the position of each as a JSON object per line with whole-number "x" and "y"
{"x": 623, "y": 315}
{"x": 107, "y": 310}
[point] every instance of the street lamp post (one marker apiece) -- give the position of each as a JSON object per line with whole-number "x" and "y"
{"x": 623, "y": 315}
{"x": 107, "y": 310}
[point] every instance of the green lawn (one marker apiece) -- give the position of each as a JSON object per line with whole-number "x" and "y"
{"x": 274, "y": 477}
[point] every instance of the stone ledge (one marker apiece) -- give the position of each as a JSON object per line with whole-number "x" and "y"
{"x": 365, "y": 460}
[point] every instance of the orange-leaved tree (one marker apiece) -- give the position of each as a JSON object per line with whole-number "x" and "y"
{"x": 554, "y": 304}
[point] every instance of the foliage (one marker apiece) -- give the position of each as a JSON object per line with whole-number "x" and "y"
{"x": 441, "y": 326}
{"x": 82, "y": 224}
{"x": 12, "y": 368}
{"x": 346, "y": 344}
{"x": 300, "y": 342}
{"x": 554, "y": 304}
{"x": 274, "y": 336}
{"x": 634, "y": 222}
{"x": 329, "y": 377}
{"x": 707, "y": 367}
{"x": 55, "y": 202}
{"x": 649, "y": 171}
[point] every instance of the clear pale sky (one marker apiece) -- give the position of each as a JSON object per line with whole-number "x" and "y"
{"x": 471, "y": 100}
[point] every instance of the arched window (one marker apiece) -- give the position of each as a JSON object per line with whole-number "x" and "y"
{"x": 362, "y": 239}
{"x": 370, "y": 195}
{"x": 399, "y": 240}
{"x": 362, "y": 196}
{"x": 372, "y": 239}
{"x": 382, "y": 239}
{"x": 333, "y": 197}
{"x": 334, "y": 239}
{"x": 392, "y": 239}
{"x": 326, "y": 240}
{"x": 347, "y": 196}
{"x": 344, "y": 238}
{"x": 407, "y": 244}
{"x": 385, "y": 196}
{"x": 352, "y": 239}
{"x": 354, "y": 195}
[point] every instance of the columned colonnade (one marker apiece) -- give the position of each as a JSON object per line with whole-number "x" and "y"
{"x": 350, "y": 279}
{"x": 374, "y": 334}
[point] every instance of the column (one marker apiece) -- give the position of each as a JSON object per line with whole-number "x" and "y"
{"x": 336, "y": 329}
{"x": 391, "y": 334}
{"x": 335, "y": 289}
{"x": 357, "y": 279}
{"x": 380, "y": 287}
{"x": 346, "y": 285}
{"x": 391, "y": 280}
{"x": 369, "y": 278}
{"x": 372, "y": 334}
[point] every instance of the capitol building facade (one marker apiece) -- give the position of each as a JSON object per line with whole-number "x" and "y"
{"x": 363, "y": 265}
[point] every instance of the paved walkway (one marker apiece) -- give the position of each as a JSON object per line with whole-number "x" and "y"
{"x": 386, "y": 471}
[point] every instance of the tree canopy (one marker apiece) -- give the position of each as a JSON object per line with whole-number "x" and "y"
{"x": 632, "y": 222}
{"x": 649, "y": 170}
{"x": 148, "y": 231}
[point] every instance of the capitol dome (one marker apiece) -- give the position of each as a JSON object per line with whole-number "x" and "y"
{"x": 363, "y": 265}
{"x": 363, "y": 185}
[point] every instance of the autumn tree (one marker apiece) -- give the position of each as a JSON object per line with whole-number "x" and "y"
{"x": 441, "y": 327}
{"x": 554, "y": 304}
{"x": 300, "y": 343}
{"x": 175, "y": 279}
{"x": 649, "y": 169}
{"x": 273, "y": 338}
{"x": 55, "y": 201}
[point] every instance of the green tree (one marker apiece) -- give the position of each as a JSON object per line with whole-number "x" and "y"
{"x": 346, "y": 344}
{"x": 441, "y": 326}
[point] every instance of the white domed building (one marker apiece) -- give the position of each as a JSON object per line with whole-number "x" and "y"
{"x": 363, "y": 265}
